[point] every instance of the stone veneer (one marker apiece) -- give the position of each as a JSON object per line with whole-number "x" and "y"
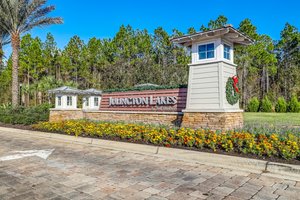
{"x": 158, "y": 118}
{"x": 209, "y": 120}
{"x": 213, "y": 120}
{"x": 169, "y": 119}
{"x": 61, "y": 115}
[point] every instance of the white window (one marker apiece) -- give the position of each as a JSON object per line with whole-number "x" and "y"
{"x": 59, "y": 101}
{"x": 226, "y": 51}
{"x": 69, "y": 101}
{"x": 96, "y": 101}
{"x": 87, "y": 103}
{"x": 206, "y": 51}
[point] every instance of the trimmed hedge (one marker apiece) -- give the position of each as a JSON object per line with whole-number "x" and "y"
{"x": 285, "y": 146}
{"x": 266, "y": 105}
{"x": 253, "y": 105}
{"x": 25, "y": 116}
{"x": 144, "y": 88}
{"x": 281, "y": 106}
{"x": 294, "y": 105}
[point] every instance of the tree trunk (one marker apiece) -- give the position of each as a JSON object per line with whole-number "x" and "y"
{"x": 267, "y": 81}
{"x": 15, "y": 43}
{"x": 28, "y": 89}
{"x": 57, "y": 72}
{"x": 35, "y": 97}
{"x": 25, "y": 93}
{"x": 285, "y": 81}
{"x": 23, "y": 99}
{"x": 40, "y": 98}
{"x": 27, "y": 100}
{"x": 289, "y": 81}
{"x": 262, "y": 82}
{"x": 1, "y": 56}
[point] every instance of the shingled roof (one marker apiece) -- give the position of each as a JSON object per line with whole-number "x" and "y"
{"x": 92, "y": 91}
{"x": 227, "y": 32}
{"x": 65, "y": 90}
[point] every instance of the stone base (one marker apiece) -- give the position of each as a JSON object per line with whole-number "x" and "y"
{"x": 210, "y": 120}
{"x": 62, "y": 115}
{"x": 169, "y": 119}
{"x": 163, "y": 118}
{"x": 213, "y": 121}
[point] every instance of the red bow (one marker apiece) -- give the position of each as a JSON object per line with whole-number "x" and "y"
{"x": 235, "y": 82}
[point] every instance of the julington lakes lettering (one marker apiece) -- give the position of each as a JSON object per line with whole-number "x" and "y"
{"x": 139, "y": 101}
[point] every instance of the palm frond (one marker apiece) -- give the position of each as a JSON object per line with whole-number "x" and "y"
{"x": 35, "y": 5}
{"x": 6, "y": 16}
{"x": 33, "y": 17}
{"x": 18, "y": 16}
{"x": 41, "y": 22}
{"x": 4, "y": 38}
{"x": 29, "y": 7}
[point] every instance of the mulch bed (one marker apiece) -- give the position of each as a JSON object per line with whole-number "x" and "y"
{"x": 270, "y": 159}
{"x": 17, "y": 126}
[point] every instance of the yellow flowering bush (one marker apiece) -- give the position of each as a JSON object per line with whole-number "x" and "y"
{"x": 286, "y": 146}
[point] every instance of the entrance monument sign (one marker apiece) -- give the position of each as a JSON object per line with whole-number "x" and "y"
{"x": 142, "y": 101}
{"x": 158, "y": 100}
{"x": 211, "y": 99}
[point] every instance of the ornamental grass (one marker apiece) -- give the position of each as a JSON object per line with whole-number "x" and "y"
{"x": 285, "y": 146}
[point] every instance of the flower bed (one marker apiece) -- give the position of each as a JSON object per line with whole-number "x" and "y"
{"x": 284, "y": 146}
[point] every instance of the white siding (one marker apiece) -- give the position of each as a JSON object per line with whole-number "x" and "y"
{"x": 197, "y": 80}
{"x": 229, "y": 72}
{"x": 92, "y": 105}
{"x": 206, "y": 69}
{"x": 203, "y": 92}
{"x": 206, "y": 85}
{"x": 64, "y": 105}
{"x": 208, "y": 78}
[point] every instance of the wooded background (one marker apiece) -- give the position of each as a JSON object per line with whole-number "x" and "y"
{"x": 266, "y": 68}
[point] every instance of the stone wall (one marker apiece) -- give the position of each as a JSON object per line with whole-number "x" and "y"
{"x": 61, "y": 115}
{"x": 214, "y": 121}
{"x": 163, "y": 118}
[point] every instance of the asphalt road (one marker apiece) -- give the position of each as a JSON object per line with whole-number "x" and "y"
{"x": 32, "y": 168}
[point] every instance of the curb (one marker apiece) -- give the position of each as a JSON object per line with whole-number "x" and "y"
{"x": 273, "y": 169}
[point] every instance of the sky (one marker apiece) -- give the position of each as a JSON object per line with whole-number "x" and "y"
{"x": 102, "y": 18}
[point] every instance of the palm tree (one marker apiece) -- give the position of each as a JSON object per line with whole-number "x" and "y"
{"x": 20, "y": 16}
{"x": 4, "y": 40}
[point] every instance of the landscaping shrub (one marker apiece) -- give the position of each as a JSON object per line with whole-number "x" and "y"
{"x": 253, "y": 105}
{"x": 25, "y": 116}
{"x": 294, "y": 105}
{"x": 281, "y": 106}
{"x": 286, "y": 146}
{"x": 266, "y": 105}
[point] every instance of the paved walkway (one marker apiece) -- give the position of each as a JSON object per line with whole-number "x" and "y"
{"x": 75, "y": 171}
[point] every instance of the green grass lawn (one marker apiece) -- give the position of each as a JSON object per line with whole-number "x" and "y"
{"x": 273, "y": 119}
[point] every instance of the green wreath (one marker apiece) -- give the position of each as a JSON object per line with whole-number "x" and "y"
{"x": 232, "y": 95}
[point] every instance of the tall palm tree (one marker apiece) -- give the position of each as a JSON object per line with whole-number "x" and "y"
{"x": 20, "y": 16}
{"x": 4, "y": 40}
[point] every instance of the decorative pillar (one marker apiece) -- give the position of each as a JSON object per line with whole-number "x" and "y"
{"x": 212, "y": 98}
